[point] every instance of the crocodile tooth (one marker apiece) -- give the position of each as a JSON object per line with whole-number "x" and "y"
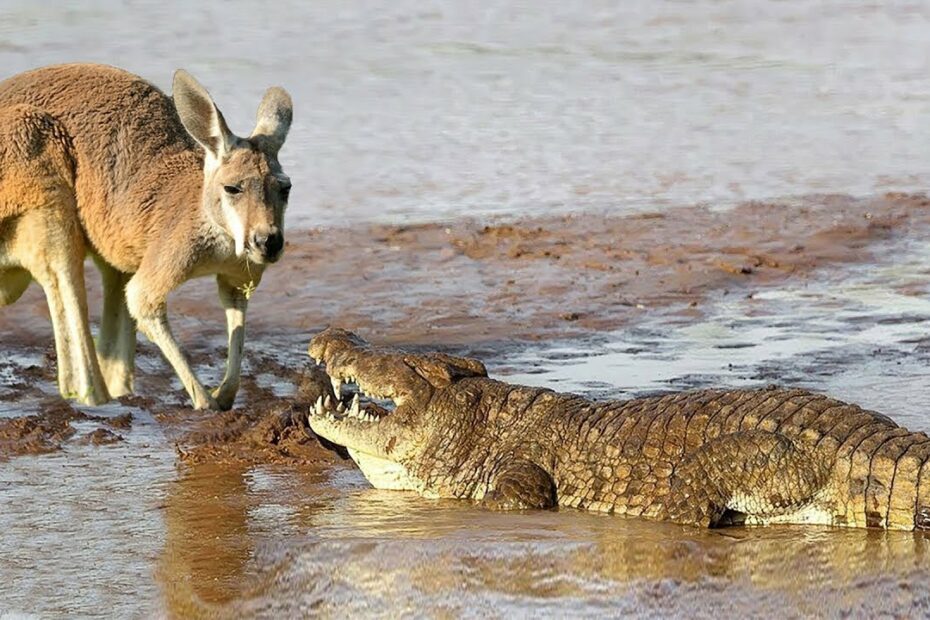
{"x": 340, "y": 407}
{"x": 328, "y": 403}
{"x": 318, "y": 406}
{"x": 353, "y": 410}
{"x": 337, "y": 386}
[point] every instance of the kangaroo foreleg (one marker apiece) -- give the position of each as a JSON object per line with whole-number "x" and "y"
{"x": 234, "y": 303}
{"x": 147, "y": 304}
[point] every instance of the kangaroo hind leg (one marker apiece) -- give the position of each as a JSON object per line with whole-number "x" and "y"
{"x": 52, "y": 249}
{"x": 42, "y": 235}
{"x": 116, "y": 342}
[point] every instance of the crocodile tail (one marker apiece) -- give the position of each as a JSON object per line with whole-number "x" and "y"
{"x": 909, "y": 501}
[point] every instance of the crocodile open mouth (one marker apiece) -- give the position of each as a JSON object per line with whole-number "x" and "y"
{"x": 352, "y": 401}
{"x": 377, "y": 392}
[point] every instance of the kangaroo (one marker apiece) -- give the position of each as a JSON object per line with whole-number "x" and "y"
{"x": 157, "y": 190}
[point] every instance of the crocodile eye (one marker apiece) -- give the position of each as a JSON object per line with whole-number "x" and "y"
{"x": 232, "y": 190}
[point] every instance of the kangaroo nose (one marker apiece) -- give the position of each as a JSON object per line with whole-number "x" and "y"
{"x": 270, "y": 244}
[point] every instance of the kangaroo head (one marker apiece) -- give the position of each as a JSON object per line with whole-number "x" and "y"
{"x": 245, "y": 191}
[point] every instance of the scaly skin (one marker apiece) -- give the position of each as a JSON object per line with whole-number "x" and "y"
{"x": 705, "y": 458}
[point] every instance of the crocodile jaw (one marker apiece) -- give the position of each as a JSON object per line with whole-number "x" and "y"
{"x": 384, "y": 474}
{"x": 374, "y": 440}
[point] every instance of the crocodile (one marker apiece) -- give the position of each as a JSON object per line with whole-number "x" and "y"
{"x": 437, "y": 424}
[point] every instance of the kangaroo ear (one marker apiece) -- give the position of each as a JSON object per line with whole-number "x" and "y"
{"x": 200, "y": 116}
{"x": 273, "y": 120}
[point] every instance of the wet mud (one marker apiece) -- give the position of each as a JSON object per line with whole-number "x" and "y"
{"x": 269, "y": 429}
{"x": 47, "y": 431}
{"x": 246, "y": 513}
{"x": 467, "y": 282}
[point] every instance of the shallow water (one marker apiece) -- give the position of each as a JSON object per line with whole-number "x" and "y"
{"x": 861, "y": 334}
{"x": 417, "y": 111}
{"x": 93, "y": 531}
{"x": 353, "y": 550}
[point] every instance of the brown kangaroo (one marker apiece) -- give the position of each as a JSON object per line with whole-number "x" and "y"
{"x": 95, "y": 160}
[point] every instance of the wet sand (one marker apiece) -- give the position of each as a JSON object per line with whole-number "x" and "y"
{"x": 472, "y": 282}
{"x": 245, "y": 513}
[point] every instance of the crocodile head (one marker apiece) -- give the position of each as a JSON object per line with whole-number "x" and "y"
{"x": 390, "y": 407}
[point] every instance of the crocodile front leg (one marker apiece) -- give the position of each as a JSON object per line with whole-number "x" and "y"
{"x": 521, "y": 485}
{"x": 747, "y": 474}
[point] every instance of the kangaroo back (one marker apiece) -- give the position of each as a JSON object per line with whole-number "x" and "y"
{"x": 123, "y": 132}
{"x": 35, "y": 161}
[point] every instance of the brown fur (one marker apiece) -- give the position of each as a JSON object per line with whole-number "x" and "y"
{"x": 106, "y": 149}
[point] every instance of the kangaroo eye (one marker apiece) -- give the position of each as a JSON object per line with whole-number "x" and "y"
{"x": 285, "y": 192}
{"x": 232, "y": 189}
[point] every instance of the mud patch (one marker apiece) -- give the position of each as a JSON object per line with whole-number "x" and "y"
{"x": 48, "y": 431}
{"x": 268, "y": 430}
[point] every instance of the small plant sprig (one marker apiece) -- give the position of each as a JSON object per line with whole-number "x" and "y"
{"x": 249, "y": 288}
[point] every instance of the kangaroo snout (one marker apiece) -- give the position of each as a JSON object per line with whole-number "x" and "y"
{"x": 269, "y": 244}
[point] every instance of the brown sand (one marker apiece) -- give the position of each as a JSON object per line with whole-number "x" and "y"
{"x": 470, "y": 282}
{"x": 47, "y": 431}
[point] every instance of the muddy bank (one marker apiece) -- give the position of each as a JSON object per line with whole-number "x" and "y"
{"x": 265, "y": 429}
{"x": 470, "y": 282}
{"x": 47, "y": 431}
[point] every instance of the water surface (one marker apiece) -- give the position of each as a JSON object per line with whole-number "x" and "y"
{"x": 412, "y": 110}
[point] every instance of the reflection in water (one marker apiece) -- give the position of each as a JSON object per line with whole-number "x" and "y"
{"x": 221, "y": 522}
{"x": 207, "y": 545}
{"x": 377, "y": 553}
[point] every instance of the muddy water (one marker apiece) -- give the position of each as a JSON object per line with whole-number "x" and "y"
{"x": 131, "y": 529}
{"x": 408, "y": 110}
